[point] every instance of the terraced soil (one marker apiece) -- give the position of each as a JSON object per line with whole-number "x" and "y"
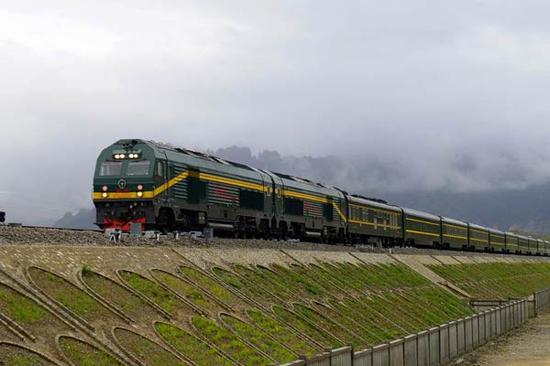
{"x": 82, "y": 353}
{"x": 159, "y": 306}
{"x": 17, "y": 356}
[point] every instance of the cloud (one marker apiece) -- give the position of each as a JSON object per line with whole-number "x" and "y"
{"x": 404, "y": 95}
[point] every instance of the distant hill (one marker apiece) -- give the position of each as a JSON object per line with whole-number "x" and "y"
{"x": 83, "y": 219}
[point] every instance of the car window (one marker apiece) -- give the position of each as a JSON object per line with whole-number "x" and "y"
{"x": 109, "y": 168}
{"x": 138, "y": 168}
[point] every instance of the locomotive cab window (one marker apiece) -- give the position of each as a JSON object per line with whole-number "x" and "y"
{"x": 110, "y": 168}
{"x": 138, "y": 168}
{"x": 160, "y": 169}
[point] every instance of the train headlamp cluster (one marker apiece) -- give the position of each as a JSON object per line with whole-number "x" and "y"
{"x": 139, "y": 191}
{"x": 124, "y": 156}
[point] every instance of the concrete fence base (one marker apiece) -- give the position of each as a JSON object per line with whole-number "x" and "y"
{"x": 438, "y": 345}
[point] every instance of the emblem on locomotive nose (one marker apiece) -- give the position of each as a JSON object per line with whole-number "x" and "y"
{"x": 122, "y": 183}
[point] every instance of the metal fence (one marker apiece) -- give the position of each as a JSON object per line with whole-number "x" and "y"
{"x": 438, "y": 345}
{"x": 541, "y": 300}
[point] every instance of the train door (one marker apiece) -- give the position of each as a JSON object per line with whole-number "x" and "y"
{"x": 161, "y": 180}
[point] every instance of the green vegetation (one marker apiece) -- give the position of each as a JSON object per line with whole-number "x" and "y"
{"x": 20, "y": 308}
{"x": 320, "y": 336}
{"x": 370, "y": 303}
{"x": 116, "y": 294}
{"x": 21, "y": 360}
{"x": 196, "y": 350}
{"x": 83, "y": 354}
{"x": 86, "y": 270}
{"x": 287, "y": 310}
{"x": 15, "y": 356}
{"x": 228, "y": 343}
{"x": 68, "y": 294}
{"x": 210, "y": 285}
{"x": 281, "y": 333}
{"x": 145, "y": 350}
{"x": 152, "y": 290}
{"x": 250, "y": 289}
{"x": 328, "y": 325}
{"x": 497, "y": 280}
{"x": 260, "y": 339}
{"x": 188, "y": 291}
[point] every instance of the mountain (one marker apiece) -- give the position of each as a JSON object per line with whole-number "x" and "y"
{"x": 83, "y": 219}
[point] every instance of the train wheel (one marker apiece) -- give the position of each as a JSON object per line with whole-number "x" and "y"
{"x": 283, "y": 231}
{"x": 165, "y": 220}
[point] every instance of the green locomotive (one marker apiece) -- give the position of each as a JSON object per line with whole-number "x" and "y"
{"x": 167, "y": 188}
{"x": 170, "y": 188}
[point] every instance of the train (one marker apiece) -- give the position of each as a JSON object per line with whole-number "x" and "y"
{"x": 160, "y": 187}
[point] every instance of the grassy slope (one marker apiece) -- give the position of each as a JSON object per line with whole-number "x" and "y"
{"x": 497, "y": 280}
{"x": 255, "y": 315}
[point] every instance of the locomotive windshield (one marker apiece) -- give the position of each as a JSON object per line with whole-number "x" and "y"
{"x": 109, "y": 168}
{"x": 138, "y": 168}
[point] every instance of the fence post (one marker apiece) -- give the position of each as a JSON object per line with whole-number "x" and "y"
{"x": 468, "y": 334}
{"x": 397, "y": 352}
{"x": 444, "y": 343}
{"x": 535, "y": 304}
{"x": 423, "y": 348}
{"x": 342, "y": 356}
{"x": 410, "y": 350}
{"x": 434, "y": 346}
{"x": 363, "y": 358}
{"x": 381, "y": 355}
{"x": 453, "y": 340}
{"x": 461, "y": 337}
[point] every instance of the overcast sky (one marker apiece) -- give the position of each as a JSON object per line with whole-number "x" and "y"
{"x": 454, "y": 93}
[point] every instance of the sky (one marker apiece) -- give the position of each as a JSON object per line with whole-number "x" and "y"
{"x": 448, "y": 95}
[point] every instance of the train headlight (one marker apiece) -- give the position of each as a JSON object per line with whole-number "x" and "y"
{"x": 131, "y": 156}
{"x": 140, "y": 187}
{"x": 140, "y": 194}
{"x": 117, "y": 156}
{"x": 104, "y": 195}
{"x": 104, "y": 188}
{"x": 121, "y": 156}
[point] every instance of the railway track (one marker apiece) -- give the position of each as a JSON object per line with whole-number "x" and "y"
{"x": 60, "y": 228}
{"x": 45, "y": 235}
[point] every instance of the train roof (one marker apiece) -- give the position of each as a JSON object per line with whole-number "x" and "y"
{"x": 367, "y": 202}
{"x": 496, "y": 231}
{"x": 305, "y": 184}
{"x": 509, "y": 233}
{"x": 522, "y": 237}
{"x": 425, "y": 215}
{"x": 453, "y": 221}
{"x": 476, "y": 226}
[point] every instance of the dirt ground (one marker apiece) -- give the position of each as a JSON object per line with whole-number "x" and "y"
{"x": 529, "y": 346}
